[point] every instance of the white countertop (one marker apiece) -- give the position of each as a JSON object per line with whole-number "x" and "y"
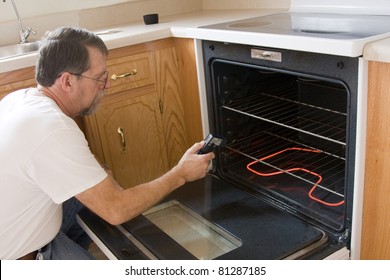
{"x": 378, "y": 51}
{"x": 185, "y": 26}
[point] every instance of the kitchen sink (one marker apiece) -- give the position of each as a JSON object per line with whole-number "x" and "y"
{"x": 18, "y": 49}
{"x": 108, "y": 32}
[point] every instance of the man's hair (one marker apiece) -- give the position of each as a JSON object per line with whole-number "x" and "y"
{"x": 65, "y": 50}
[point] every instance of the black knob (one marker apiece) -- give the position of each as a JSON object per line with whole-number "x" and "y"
{"x": 340, "y": 65}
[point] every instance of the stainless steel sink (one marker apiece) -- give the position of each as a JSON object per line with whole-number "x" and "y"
{"x": 108, "y": 32}
{"x": 18, "y": 49}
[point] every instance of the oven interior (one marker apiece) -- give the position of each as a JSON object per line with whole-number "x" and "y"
{"x": 288, "y": 137}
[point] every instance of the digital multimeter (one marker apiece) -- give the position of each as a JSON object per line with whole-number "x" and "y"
{"x": 210, "y": 143}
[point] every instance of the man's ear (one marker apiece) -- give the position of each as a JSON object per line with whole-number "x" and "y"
{"x": 66, "y": 81}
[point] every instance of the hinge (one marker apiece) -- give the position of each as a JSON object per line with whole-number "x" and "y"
{"x": 344, "y": 238}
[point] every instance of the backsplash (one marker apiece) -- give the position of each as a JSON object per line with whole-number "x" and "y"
{"x": 372, "y": 7}
{"x": 130, "y": 12}
{"x": 245, "y": 4}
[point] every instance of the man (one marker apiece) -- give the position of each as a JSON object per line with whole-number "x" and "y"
{"x": 47, "y": 161}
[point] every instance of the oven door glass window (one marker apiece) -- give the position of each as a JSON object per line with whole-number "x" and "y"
{"x": 197, "y": 235}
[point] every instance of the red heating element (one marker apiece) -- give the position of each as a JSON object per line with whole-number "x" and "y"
{"x": 310, "y": 194}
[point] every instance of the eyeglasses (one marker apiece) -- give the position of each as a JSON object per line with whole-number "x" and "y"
{"x": 97, "y": 80}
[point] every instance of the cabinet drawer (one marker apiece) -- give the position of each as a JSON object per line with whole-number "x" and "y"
{"x": 131, "y": 72}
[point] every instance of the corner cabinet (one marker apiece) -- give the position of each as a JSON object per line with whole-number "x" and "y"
{"x": 376, "y": 208}
{"x": 141, "y": 129}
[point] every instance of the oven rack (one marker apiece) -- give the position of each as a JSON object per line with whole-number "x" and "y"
{"x": 283, "y": 110}
{"x": 329, "y": 165}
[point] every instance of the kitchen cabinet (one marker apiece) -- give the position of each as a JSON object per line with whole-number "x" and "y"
{"x": 376, "y": 208}
{"x": 141, "y": 128}
{"x": 18, "y": 79}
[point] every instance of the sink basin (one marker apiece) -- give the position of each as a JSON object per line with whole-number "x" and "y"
{"x": 108, "y": 32}
{"x": 18, "y": 49}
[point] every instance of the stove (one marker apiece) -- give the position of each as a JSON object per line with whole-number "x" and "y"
{"x": 316, "y": 25}
{"x": 328, "y": 27}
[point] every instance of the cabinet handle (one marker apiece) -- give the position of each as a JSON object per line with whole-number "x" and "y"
{"x": 124, "y": 75}
{"x": 123, "y": 140}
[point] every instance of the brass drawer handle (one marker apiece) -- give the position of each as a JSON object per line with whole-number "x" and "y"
{"x": 124, "y": 75}
{"x": 123, "y": 140}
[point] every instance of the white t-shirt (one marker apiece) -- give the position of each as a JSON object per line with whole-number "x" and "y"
{"x": 45, "y": 160}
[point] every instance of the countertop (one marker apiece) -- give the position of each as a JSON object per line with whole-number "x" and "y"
{"x": 186, "y": 26}
{"x": 378, "y": 51}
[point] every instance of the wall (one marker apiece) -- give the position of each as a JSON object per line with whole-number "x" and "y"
{"x": 344, "y": 6}
{"x": 245, "y": 4}
{"x": 128, "y": 12}
{"x": 33, "y": 8}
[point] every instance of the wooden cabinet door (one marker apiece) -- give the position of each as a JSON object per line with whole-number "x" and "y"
{"x": 133, "y": 143}
{"x": 170, "y": 103}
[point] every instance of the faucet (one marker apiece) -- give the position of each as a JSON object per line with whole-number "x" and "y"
{"x": 24, "y": 34}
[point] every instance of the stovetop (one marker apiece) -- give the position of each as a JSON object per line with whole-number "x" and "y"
{"x": 317, "y": 25}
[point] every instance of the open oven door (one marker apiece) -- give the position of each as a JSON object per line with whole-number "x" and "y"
{"x": 229, "y": 224}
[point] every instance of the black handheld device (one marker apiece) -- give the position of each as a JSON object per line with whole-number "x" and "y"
{"x": 210, "y": 143}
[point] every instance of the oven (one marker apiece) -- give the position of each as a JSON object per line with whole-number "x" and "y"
{"x": 282, "y": 186}
{"x": 289, "y": 119}
{"x": 287, "y": 94}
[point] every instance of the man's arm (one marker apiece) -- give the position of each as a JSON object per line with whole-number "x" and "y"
{"x": 117, "y": 205}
